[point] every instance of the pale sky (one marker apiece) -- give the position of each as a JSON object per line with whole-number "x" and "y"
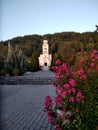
{"x": 28, "y": 17}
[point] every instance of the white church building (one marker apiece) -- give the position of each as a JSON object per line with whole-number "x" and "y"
{"x": 45, "y": 58}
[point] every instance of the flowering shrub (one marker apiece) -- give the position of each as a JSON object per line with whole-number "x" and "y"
{"x": 75, "y": 106}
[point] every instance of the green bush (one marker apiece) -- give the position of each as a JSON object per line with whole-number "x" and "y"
{"x": 15, "y": 71}
{"x": 75, "y": 106}
{"x": 3, "y": 71}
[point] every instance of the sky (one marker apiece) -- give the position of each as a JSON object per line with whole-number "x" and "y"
{"x": 28, "y": 17}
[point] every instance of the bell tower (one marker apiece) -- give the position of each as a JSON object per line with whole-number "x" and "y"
{"x": 45, "y": 47}
{"x": 45, "y": 58}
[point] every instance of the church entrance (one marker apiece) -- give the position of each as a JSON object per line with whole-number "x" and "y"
{"x": 45, "y": 67}
{"x": 45, "y": 64}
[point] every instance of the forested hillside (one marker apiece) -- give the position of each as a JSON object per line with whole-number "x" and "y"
{"x": 63, "y": 45}
{"x": 32, "y": 43}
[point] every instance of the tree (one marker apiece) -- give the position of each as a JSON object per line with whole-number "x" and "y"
{"x": 67, "y": 53}
{"x": 2, "y": 61}
{"x": 19, "y": 59}
{"x": 33, "y": 63}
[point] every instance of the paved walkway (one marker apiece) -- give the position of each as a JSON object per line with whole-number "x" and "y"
{"x": 43, "y": 73}
{"x": 22, "y": 107}
{"x": 29, "y": 78}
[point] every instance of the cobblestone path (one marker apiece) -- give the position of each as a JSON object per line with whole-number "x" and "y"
{"x": 40, "y": 74}
{"x": 22, "y": 107}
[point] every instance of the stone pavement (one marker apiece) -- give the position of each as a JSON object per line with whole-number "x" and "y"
{"x": 22, "y": 106}
{"x": 40, "y": 77}
{"x": 40, "y": 73}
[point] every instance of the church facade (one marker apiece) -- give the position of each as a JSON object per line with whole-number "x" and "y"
{"x": 45, "y": 58}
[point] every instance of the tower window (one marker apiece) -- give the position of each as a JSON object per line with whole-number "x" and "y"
{"x": 45, "y": 48}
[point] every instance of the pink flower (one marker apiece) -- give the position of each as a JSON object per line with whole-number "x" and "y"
{"x": 96, "y": 57}
{"x": 71, "y": 99}
{"x": 83, "y": 77}
{"x": 50, "y": 119}
{"x": 49, "y": 113}
{"x": 76, "y": 110}
{"x": 58, "y": 62}
{"x": 92, "y": 65}
{"x": 58, "y": 100}
{"x": 47, "y": 102}
{"x": 79, "y": 96}
{"x": 56, "y": 127}
{"x": 64, "y": 66}
{"x": 73, "y": 90}
{"x": 94, "y": 53}
{"x": 80, "y": 72}
{"x": 64, "y": 69}
{"x": 72, "y": 82}
{"x": 63, "y": 94}
{"x": 69, "y": 91}
{"x": 66, "y": 86}
{"x": 54, "y": 85}
{"x": 62, "y": 116}
{"x": 58, "y": 89}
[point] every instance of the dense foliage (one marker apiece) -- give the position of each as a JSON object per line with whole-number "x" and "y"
{"x": 65, "y": 45}
{"x": 75, "y": 106}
